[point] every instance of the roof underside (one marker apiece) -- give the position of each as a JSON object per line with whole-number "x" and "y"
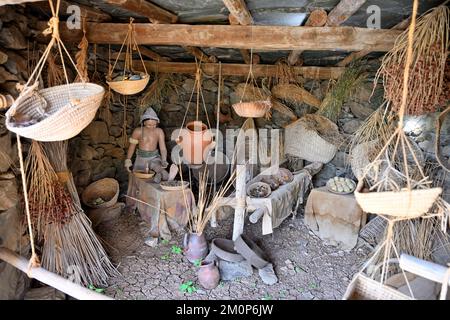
{"x": 264, "y": 12}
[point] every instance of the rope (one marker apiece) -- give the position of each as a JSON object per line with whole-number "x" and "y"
{"x": 34, "y": 260}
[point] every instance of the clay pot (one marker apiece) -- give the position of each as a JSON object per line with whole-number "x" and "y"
{"x": 195, "y": 141}
{"x": 195, "y": 246}
{"x": 208, "y": 275}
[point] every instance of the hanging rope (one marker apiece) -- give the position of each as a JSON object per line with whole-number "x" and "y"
{"x": 34, "y": 260}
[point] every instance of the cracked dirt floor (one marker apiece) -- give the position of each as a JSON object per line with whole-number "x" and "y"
{"x": 306, "y": 268}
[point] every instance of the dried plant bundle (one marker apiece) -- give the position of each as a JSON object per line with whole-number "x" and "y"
{"x": 81, "y": 58}
{"x": 157, "y": 92}
{"x": 207, "y": 203}
{"x": 285, "y": 74}
{"x": 55, "y": 72}
{"x": 49, "y": 202}
{"x": 344, "y": 88}
{"x": 73, "y": 249}
{"x": 429, "y": 59}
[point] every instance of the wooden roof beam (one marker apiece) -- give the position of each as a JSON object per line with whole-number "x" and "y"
{"x": 317, "y": 18}
{"x": 238, "y": 9}
{"x": 240, "y": 37}
{"x": 89, "y": 13}
{"x": 200, "y": 55}
{"x": 230, "y": 69}
{"x": 343, "y": 10}
{"x": 240, "y": 15}
{"x": 359, "y": 54}
{"x": 147, "y": 9}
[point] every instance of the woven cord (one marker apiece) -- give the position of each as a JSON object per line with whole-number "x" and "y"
{"x": 34, "y": 260}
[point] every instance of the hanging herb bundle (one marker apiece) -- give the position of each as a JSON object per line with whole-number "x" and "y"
{"x": 49, "y": 202}
{"x": 55, "y": 73}
{"x": 430, "y": 51}
{"x": 82, "y": 58}
{"x": 343, "y": 89}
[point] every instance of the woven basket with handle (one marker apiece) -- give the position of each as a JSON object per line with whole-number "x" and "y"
{"x": 68, "y": 110}
{"x": 365, "y": 288}
{"x": 306, "y": 144}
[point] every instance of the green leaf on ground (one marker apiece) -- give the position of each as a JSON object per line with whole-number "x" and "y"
{"x": 176, "y": 250}
{"x": 164, "y": 241}
{"x": 188, "y": 287}
{"x": 165, "y": 257}
{"x": 197, "y": 262}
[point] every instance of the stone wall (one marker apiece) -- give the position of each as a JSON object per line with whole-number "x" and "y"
{"x": 98, "y": 152}
{"x": 14, "y": 42}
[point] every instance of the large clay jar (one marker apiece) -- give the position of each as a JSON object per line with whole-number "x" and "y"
{"x": 195, "y": 141}
{"x": 195, "y": 246}
{"x": 208, "y": 275}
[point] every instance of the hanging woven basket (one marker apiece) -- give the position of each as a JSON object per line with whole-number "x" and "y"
{"x": 254, "y": 109}
{"x": 69, "y": 109}
{"x": 405, "y": 204}
{"x": 129, "y": 87}
{"x": 303, "y": 140}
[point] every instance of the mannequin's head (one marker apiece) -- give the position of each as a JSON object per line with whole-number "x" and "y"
{"x": 150, "y": 123}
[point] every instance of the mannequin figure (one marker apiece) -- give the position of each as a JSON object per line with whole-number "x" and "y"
{"x": 148, "y": 138}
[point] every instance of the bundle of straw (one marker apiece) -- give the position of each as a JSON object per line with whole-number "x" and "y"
{"x": 429, "y": 55}
{"x": 207, "y": 203}
{"x": 72, "y": 249}
{"x": 49, "y": 202}
{"x": 156, "y": 93}
{"x": 343, "y": 89}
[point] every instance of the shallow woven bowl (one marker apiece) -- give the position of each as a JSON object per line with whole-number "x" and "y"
{"x": 70, "y": 108}
{"x": 144, "y": 175}
{"x": 174, "y": 188}
{"x": 129, "y": 87}
{"x": 408, "y": 203}
{"x": 254, "y": 109}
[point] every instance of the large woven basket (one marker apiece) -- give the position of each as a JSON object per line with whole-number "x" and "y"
{"x": 364, "y": 288}
{"x": 106, "y": 189}
{"x": 70, "y": 109}
{"x": 129, "y": 87}
{"x": 307, "y": 144}
{"x": 254, "y": 109}
{"x": 408, "y": 203}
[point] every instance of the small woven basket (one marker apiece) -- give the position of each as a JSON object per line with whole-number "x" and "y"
{"x": 365, "y": 288}
{"x": 129, "y": 87}
{"x": 106, "y": 189}
{"x": 407, "y": 203}
{"x": 307, "y": 144}
{"x": 254, "y": 109}
{"x": 69, "y": 108}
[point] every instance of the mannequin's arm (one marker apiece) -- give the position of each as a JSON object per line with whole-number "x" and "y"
{"x": 162, "y": 146}
{"x": 136, "y": 136}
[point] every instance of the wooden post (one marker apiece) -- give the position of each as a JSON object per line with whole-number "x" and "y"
{"x": 50, "y": 278}
{"x": 239, "y": 211}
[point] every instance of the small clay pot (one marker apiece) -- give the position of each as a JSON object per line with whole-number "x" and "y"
{"x": 195, "y": 246}
{"x": 208, "y": 275}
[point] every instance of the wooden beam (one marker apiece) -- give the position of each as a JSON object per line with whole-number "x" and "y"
{"x": 147, "y": 9}
{"x": 89, "y": 13}
{"x": 359, "y": 54}
{"x": 231, "y": 69}
{"x": 13, "y": 2}
{"x": 317, "y": 18}
{"x": 343, "y": 10}
{"x": 239, "y": 11}
{"x": 240, "y": 37}
{"x": 152, "y": 54}
{"x": 239, "y": 15}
